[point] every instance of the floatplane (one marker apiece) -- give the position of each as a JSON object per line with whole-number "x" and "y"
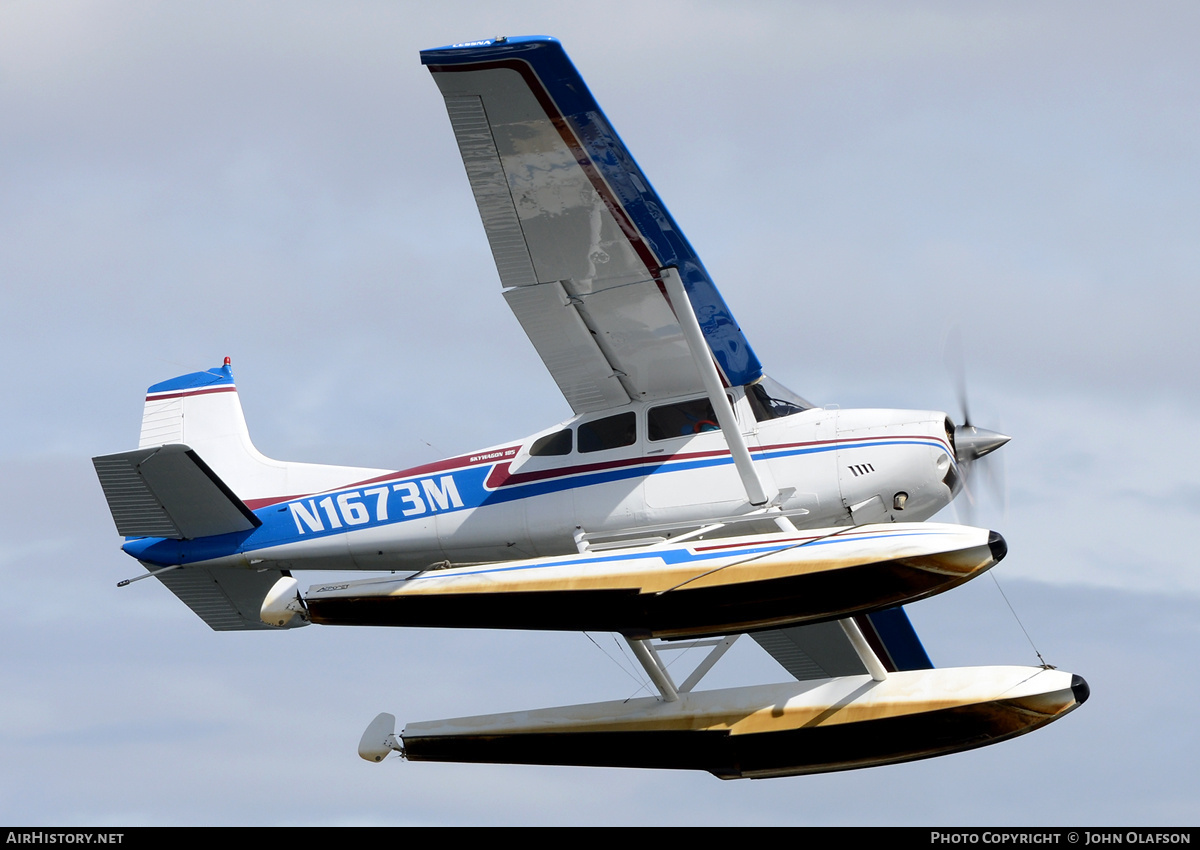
{"x": 689, "y": 501}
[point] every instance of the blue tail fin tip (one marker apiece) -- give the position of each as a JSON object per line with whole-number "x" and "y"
{"x": 194, "y": 380}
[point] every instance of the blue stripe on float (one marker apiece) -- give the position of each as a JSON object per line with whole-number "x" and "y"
{"x": 680, "y": 556}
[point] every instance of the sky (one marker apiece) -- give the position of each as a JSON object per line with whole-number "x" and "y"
{"x": 277, "y": 182}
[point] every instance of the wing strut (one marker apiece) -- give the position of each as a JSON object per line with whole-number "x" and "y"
{"x": 658, "y": 674}
{"x": 654, "y": 669}
{"x": 702, "y": 355}
{"x": 719, "y": 648}
{"x": 650, "y": 660}
{"x": 865, "y": 654}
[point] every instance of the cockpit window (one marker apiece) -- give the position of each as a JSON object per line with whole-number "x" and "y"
{"x": 611, "y": 432}
{"x": 770, "y": 399}
{"x": 558, "y": 443}
{"x": 683, "y": 418}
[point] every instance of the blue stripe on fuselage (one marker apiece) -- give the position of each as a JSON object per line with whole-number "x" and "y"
{"x": 352, "y": 509}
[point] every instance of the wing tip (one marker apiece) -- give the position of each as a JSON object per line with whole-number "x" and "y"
{"x": 487, "y": 48}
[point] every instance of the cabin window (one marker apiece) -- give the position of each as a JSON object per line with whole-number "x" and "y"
{"x": 681, "y": 419}
{"x": 610, "y": 432}
{"x": 558, "y": 443}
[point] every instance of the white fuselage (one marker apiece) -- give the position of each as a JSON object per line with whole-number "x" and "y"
{"x": 544, "y": 494}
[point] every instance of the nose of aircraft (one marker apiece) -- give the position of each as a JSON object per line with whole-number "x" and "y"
{"x": 971, "y": 443}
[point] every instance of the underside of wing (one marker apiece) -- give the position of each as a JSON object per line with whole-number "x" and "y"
{"x": 822, "y": 650}
{"x": 579, "y": 237}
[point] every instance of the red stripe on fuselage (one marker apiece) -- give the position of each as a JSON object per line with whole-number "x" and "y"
{"x": 501, "y": 477}
{"x": 460, "y": 462}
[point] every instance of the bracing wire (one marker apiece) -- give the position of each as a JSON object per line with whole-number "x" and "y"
{"x": 618, "y": 662}
{"x": 1032, "y": 645}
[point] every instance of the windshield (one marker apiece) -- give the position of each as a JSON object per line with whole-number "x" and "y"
{"x": 770, "y": 399}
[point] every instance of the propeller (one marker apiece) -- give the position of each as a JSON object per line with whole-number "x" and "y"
{"x": 971, "y": 443}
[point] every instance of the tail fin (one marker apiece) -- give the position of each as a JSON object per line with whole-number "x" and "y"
{"x": 202, "y": 410}
{"x": 197, "y": 474}
{"x": 206, "y": 401}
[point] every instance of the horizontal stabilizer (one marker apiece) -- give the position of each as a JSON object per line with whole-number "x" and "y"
{"x": 168, "y": 491}
{"x": 227, "y": 599}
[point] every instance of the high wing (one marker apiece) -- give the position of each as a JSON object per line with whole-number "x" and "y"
{"x": 580, "y": 239}
{"x": 822, "y": 650}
